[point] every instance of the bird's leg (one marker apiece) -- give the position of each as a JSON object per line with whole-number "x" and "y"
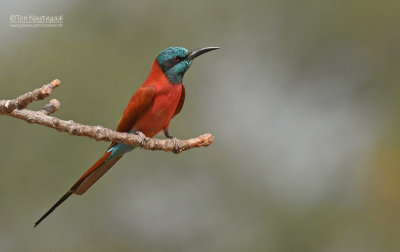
{"x": 144, "y": 138}
{"x": 174, "y": 140}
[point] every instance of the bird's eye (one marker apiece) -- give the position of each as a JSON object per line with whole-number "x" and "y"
{"x": 176, "y": 59}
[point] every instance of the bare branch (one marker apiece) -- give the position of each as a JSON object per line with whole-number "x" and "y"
{"x": 15, "y": 109}
{"x": 6, "y": 106}
{"x": 51, "y": 107}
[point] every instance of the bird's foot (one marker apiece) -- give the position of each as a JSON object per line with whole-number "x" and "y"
{"x": 143, "y": 138}
{"x": 176, "y": 149}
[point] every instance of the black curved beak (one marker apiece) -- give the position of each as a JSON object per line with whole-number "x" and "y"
{"x": 197, "y": 52}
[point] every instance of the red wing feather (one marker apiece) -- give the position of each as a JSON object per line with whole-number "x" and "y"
{"x": 138, "y": 104}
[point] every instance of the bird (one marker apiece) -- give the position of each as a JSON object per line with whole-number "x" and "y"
{"x": 149, "y": 111}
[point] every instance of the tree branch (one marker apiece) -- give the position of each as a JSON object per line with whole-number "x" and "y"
{"x": 15, "y": 108}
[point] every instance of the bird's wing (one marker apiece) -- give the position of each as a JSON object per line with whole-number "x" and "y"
{"x": 138, "y": 104}
{"x": 181, "y": 102}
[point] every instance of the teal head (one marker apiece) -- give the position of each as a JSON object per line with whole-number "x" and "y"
{"x": 175, "y": 61}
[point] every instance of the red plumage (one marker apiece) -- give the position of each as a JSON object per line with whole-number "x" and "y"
{"x": 150, "y": 110}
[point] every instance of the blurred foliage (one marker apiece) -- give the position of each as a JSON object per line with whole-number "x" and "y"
{"x": 302, "y": 99}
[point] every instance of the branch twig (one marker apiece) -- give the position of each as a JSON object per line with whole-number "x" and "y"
{"x": 15, "y": 108}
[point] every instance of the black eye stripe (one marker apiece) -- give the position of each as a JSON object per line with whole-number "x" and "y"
{"x": 168, "y": 65}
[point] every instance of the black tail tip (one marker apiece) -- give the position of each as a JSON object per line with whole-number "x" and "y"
{"x": 37, "y": 223}
{"x": 63, "y": 198}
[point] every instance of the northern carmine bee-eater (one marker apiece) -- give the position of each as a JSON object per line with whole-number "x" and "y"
{"x": 149, "y": 111}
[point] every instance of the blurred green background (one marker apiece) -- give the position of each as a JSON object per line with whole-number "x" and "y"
{"x": 302, "y": 99}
